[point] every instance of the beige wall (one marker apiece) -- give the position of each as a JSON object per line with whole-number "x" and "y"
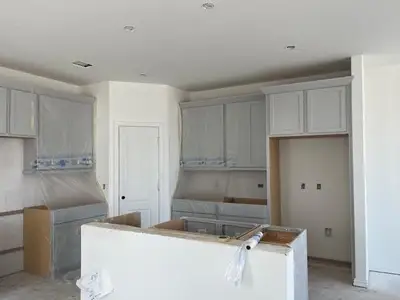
{"x": 312, "y": 161}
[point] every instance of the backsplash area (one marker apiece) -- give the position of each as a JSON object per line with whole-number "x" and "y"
{"x": 18, "y": 190}
{"x": 214, "y": 185}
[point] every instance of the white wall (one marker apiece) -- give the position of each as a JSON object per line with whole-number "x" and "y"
{"x": 382, "y": 165}
{"x": 312, "y": 161}
{"x": 168, "y": 267}
{"x": 101, "y": 91}
{"x": 136, "y": 103}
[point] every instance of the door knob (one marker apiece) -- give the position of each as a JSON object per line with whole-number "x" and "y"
{"x": 123, "y": 197}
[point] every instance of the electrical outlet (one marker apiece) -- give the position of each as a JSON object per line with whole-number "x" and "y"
{"x": 328, "y": 232}
{"x": 104, "y": 186}
{"x": 303, "y": 186}
{"x": 319, "y": 186}
{"x": 260, "y": 186}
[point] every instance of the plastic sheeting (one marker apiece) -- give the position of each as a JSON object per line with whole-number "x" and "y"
{"x": 55, "y": 189}
{"x": 69, "y": 189}
{"x": 65, "y": 139}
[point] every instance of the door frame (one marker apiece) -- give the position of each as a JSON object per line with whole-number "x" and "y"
{"x": 114, "y": 167}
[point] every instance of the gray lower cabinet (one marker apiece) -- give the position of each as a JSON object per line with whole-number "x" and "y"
{"x": 52, "y": 237}
{"x": 194, "y": 207}
{"x": 243, "y": 219}
{"x": 240, "y": 210}
{"x": 23, "y": 114}
{"x": 247, "y": 213}
{"x": 3, "y": 111}
{"x": 67, "y": 245}
{"x": 176, "y": 215}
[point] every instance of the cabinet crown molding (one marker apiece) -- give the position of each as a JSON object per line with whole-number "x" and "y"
{"x": 222, "y": 100}
{"x": 310, "y": 85}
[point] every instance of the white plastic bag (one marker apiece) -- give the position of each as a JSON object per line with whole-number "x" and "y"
{"x": 95, "y": 285}
{"x": 234, "y": 272}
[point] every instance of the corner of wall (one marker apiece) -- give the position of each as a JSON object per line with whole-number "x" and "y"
{"x": 101, "y": 91}
{"x": 361, "y": 267}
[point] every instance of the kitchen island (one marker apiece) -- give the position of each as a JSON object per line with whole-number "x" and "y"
{"x": 168, "y": 262}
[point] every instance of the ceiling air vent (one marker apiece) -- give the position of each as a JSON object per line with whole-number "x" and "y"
{"x": 81, "y": 64}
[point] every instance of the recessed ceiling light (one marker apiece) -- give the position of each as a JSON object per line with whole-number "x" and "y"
{"x": 208, "y": 5}
{"x": 129, "y": 28}
{"x": 290, "y": 47}
{"x": 82, "y": 64}
{"x": 143, "y": 74}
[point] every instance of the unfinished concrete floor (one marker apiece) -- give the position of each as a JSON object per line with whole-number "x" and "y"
{"x": 326, "y": 283}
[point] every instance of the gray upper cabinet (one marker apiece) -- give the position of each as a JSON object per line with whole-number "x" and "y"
{"x": 326, "y": 110}
{"x": 203, "y": 136}
{"x": 3, "y": 111}
{"x": 191, "y": 123}
{"x": 246, "y": 134}
{"x": 65, "y": 134}
{"x": 81, "y": 144}
{"x": 286, "y": 113}
{"x": 54, "y": 128}
{"x": 23, "y": 114}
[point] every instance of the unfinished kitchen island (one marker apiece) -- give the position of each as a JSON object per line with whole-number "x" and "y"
{"x": 168, "y": 262}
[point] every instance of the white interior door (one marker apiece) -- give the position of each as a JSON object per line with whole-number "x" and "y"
{"x": 139, "y": 172}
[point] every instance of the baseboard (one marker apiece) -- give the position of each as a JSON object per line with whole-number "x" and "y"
{"x": 360, "y": 283}
{"x": 11, "y": 263}
{"x": 384, "y": 282}
{"x": 330, "y": 262}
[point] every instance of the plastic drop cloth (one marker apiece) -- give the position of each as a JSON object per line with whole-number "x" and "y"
{"x": 56, "y": 189}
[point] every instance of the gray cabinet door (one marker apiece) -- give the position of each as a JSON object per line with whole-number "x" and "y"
{"x": 23, "y": 113}
{"x": 54, "y": 126}
{"x": 212, "y": 140}
{"x": 286, "y": 113}
{"x": 67, "y": 246}
{"x": 203, "y": 136}
{"x": 66, "y": 132}
{"x": 192, "y": 130}
{"x": 258, "y": 132}
{"x": 81, "y": 130}
{"x": 326, "y": 110}
{"x": 246, "y": 134}
{"x": 3, "y": 111}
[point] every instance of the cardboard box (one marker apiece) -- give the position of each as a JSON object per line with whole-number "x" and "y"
{"x": 37, "y": 239}
{"x": 132, "y": 219}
